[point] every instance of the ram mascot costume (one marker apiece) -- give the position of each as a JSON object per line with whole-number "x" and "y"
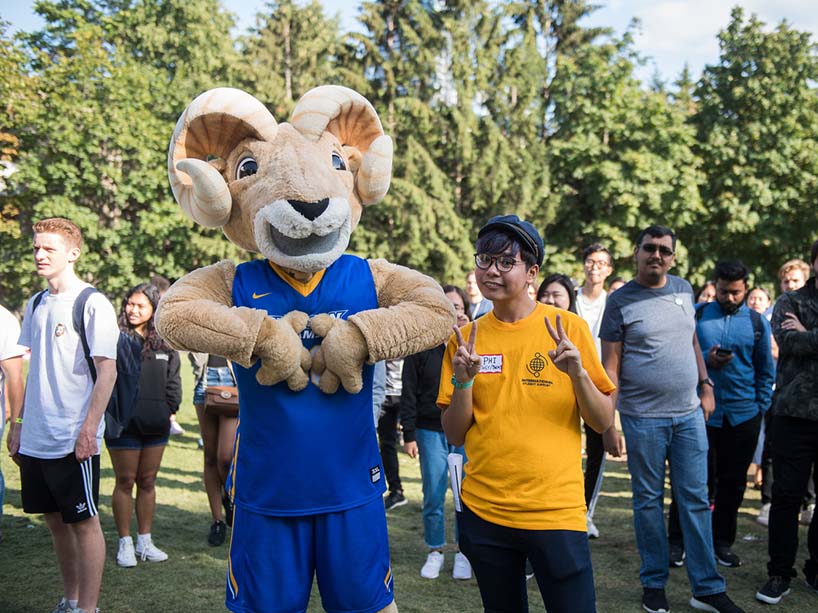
{"x": 303, "y": 327}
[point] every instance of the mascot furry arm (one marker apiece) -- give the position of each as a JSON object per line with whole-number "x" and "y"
{"x": 293, "y": 192}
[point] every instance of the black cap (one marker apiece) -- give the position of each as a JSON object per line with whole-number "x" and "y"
{"x": 523, "y": 230}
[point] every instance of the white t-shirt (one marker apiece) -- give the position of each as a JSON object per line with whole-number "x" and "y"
{"x": 9, "y": 333}
{"x": 59, "y": 384}
{"x": 591, "y": 312}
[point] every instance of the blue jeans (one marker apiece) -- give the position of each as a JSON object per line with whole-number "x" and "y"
{"x": 683, "y": 441}
{"x": 434, "y": 472}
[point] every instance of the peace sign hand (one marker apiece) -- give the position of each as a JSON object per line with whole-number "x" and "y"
{"x": 466, "y": 362}
{"x": 566, "y": 356}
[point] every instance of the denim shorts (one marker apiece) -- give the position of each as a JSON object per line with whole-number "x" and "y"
{"x": 133, "y": 441}
{"x": 215, "y": 376}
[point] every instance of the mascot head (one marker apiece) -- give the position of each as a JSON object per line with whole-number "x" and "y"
{"x": 292, "y": 191}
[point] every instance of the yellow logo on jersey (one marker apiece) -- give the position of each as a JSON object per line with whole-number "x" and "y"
{"x": 257, "y": 296}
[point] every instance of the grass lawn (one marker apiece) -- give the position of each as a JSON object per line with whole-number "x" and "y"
{"x": 193, "y": 578}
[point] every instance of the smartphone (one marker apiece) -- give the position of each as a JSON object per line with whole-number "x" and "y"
{"x": 725, "y": 353}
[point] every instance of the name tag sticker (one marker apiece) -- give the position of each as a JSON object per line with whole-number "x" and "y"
{"x": 491, "y": 363}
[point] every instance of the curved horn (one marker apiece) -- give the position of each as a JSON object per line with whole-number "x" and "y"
{"x": 355, "y": 122}
{"x": 212, "y": 125}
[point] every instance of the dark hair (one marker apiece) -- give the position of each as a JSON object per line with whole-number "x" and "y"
{"x": 566, "y": 282}
{"x": 813, "y": 253}
{"x": 596, "y": 248}
{"x": 159, "y": 282}
{"x": 656, "y": 232}
{"x": 152, "y": 342}
{"x": 496, "y": 241}
{"x": 448, "y": 289}
{"x": 704, "y": 286}
{"x": 731, "y": 270}
{"x": 616, "y": 279}
{"x": 759, "y": 288}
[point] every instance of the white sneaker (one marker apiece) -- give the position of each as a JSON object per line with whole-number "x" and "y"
{"x": 462, "y": 567}
{"x": 805, "y": 519}
{"x": 150, "y": 552}
{"x": 126, "y": 557}
{"x": 434, "y": 562}
{"x": 764, "y": 514}
{"x": 593, "y": 531}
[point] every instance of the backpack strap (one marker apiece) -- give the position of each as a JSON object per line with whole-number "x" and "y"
{"x": 79, "y": 325}
{"x": 38, "y": 299}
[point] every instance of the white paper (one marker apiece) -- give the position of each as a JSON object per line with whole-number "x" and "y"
{"x": 456, "y": 477}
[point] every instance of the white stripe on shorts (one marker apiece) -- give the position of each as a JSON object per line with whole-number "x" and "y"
{"x": 88, "y": 482}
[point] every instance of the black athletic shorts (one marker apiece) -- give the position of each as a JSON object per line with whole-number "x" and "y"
{"x": 60, "y": 485}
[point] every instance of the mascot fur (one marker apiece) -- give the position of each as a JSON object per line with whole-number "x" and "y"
{"x": 303, "y": 328}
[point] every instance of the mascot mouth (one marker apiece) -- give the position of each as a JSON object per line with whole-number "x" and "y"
{"x": 311, "y": 245}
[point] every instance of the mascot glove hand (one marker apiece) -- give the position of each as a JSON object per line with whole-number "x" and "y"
{"x": 283, "y": 356}
{"x": 341, "y": 355}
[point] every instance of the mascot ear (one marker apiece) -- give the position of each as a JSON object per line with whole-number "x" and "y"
{"x": 214, "y": 123}
{"x": 354, "y": 121}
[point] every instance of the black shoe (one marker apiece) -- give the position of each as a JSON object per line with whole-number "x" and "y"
{"x": 394, "y": 499}
{"x": 726, "y": 557}
{"x": 228, "y": 510}
{"x": 654, "y": 600}
{"x": 774, "y": 590}
{"x": 218, "y": 530}
{"x": 717, "y": 603}
{"x": 811, "y": 581}
{"x": 677, "y": 555}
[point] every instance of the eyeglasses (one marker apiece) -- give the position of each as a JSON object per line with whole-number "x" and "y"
{"x": 665, "y": 252}
{"x": 504, "y": 263}
{"x": 596, "y": 263}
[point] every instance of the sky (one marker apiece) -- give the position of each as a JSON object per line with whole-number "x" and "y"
{"x": 672, "y": 32}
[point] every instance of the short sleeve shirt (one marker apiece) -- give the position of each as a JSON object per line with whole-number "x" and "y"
{"x": 658, "y": 373}
{"x": 59, "y": 383}
{"x": 9, "y": 333}
{"x": 524, "y": 452}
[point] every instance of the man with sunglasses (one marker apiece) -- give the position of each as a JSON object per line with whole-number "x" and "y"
{"x": 651, "y": 353}
{"x": 514, "y": 393}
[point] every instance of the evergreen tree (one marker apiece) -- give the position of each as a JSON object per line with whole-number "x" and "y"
{"x": 290, "y": 50}
{"x": 757, "y": 123}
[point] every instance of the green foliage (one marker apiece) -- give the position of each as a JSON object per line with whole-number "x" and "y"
{"x": 757, "y": 123}
{"x": 494, "y": 107}
{"x": 287, "y": 53}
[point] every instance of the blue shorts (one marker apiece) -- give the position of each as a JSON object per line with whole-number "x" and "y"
{"x": 272, "y": 561}
{"x": 133, "y": 441}
{"x": 215, "y": 376}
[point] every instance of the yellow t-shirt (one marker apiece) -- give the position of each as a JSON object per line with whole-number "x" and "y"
{"x": 524, "y": 452}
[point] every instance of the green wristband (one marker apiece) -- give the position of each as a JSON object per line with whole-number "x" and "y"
{"x": 19, "y": 420}
{"x": 461, "y": 386}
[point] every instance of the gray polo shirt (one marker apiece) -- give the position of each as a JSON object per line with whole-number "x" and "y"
{"x": 658, "y": 373}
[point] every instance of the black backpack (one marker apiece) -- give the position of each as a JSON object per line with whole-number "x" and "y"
{"x": 128, "y": 368}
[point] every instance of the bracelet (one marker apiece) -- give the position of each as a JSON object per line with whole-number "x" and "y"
{"x": 461, "y": 386}
{"x": 19, "y": 420}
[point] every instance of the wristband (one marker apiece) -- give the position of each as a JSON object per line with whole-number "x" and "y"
{"x": 461, "y": 386}
{"x": 19, "y": 420}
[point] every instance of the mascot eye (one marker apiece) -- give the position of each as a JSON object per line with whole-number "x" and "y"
{"x": 247, "y": 167}
{"x": 338, "y": 162}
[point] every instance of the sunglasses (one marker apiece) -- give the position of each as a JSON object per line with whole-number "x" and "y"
{"x": 665, "y": 252}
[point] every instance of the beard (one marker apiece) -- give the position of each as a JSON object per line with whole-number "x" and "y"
{"x": 729, "y": 308}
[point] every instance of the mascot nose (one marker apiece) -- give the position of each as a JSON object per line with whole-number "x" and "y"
{"x": 310, "y": 210}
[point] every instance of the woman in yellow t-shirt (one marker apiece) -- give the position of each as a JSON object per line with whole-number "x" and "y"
{"x": 539, "y": 372}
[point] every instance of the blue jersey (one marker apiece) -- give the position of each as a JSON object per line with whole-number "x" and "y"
{"x": 303, "y": 453}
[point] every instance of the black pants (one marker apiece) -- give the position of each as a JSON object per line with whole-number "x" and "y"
{"x": 388, "y": 437}
{"x": 561, "y": 560}
{"x": 795, "y": 452}
{"x": 595, "y": 453}
{"x": 732, "y": 448}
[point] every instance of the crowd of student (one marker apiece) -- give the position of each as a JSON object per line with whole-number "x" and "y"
{"x": 505, "y": 395}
